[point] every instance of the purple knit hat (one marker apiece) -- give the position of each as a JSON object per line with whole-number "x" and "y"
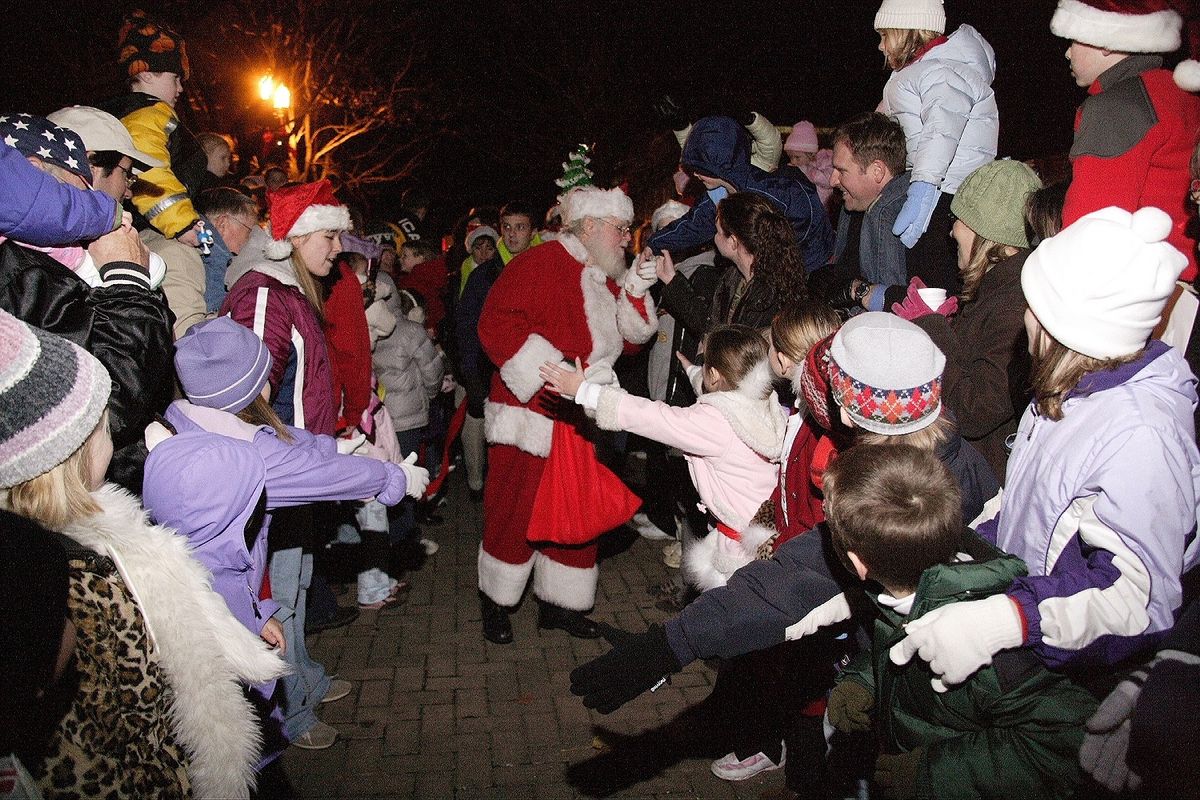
{"x": 222, "y": 364}
{"x": 52, "y": 395}
{"x": 373, "y": 251}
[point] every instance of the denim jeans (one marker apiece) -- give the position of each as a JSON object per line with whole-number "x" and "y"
{"x": 303, "y": 690}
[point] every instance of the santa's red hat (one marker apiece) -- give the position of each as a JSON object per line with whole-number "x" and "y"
{"x": 1127, "y": 26}
{"x": 306, "y": 208}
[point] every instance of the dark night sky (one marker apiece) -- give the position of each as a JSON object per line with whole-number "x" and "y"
{"x": 522, "y": 82}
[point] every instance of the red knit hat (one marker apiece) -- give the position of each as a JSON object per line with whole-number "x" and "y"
{"x": 814, "y": 383}
{"x": 306, "y": 208}
{"x": 1128, "y": 26}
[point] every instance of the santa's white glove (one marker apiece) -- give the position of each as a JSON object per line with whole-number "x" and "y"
{"x": 351, "y": 445}
{"x": 960, "y": 638}
{"x": 640, "y": 277}
{"x": 417, "y": 478}
{"x": 601, "y": 373}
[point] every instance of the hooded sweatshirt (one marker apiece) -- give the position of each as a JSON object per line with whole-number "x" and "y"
{"x": 720, "y": 148}
{"x": 945, "y": 103}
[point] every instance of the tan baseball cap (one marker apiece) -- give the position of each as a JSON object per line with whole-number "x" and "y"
{"x": 102, "y": 131}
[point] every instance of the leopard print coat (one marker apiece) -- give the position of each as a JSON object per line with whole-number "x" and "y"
{"x": 116, "y": 739}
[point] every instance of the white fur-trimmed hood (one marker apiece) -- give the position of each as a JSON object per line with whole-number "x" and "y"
{"x": 205, "y": 653}
{"x": 759, "y": 422}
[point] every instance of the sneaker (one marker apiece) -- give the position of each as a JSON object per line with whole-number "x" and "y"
{"x": 728, "y": 768}
{"x": 673, "y": 555}
{"x": 647, "y": 529}
{"x": 337, "y": 690}
{"x": 318, "y": 737}
{"x": 430, "y": 546}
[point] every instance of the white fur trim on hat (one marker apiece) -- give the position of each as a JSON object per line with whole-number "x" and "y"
{"x": 314, "y": 218}
{"x": 1100, "y": 285}
{"x": 1155, "y": 32}
{"x": 589, "y": 201}
{"x": 667, "y": 213}
{"x": 482, "y": 230}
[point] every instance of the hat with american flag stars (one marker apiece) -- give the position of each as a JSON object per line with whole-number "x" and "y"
{"x": 41, "y": 138}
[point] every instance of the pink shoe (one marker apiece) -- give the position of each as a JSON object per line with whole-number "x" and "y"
{"x": 728, "y": 768}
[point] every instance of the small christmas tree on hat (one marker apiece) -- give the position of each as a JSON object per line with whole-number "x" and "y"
{"x": 575, "y": 170}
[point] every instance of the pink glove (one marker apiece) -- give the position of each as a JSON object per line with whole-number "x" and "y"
{"x": 912, "y": 306}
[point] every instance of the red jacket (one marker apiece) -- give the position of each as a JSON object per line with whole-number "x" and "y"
{"x": 1134, "y": 138}
{"x": 428, "y": 278}
{"x": 349, "y": 348}
{"x": 798, "y": 505}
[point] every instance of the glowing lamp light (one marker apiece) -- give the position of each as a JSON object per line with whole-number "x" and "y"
{"x": 266, "y": 87}
{"x": 282, "y": 97}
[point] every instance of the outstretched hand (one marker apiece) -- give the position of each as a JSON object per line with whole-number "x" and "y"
{"x": 665, "y": 267}
{"x": 564, "y": 381}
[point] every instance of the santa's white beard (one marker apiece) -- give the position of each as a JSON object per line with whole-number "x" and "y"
{"x": 609, "y": 261}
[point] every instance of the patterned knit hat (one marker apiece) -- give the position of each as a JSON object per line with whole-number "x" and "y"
{"x": 919, "y": 15}
{"x": 41, "y": 138}
{"x": 887, "y": 373}
{"x": 52, "y": 394}
{"x": 145, "y": 46}
{"x": 301, "y": 209}
{"x": 814, "y": 383}
{"x": 222, "y": 364}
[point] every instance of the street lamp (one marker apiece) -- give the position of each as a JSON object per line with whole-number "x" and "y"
{"x": 281, "y": 99}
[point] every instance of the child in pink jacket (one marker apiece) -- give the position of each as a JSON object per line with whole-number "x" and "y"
{"x": 731, "y": 438}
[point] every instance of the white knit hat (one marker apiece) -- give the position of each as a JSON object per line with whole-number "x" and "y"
{"x": 919, "y": 15}
{"x": 1100, "y": 285}
{"x": 590, "y": 201}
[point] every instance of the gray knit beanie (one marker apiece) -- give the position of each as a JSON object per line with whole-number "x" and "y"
{"x": 52, "y": 394}
{"x": 991, "y": 201}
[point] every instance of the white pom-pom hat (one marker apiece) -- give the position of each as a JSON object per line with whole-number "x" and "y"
{"x": 1100, "y": 285}
{"x": 297, "y": 210}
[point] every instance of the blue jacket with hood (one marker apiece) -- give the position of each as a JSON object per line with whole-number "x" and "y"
{"x": 720, "y": 148}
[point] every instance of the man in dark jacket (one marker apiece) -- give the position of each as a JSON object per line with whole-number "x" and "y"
{"x": 717, "y": 151}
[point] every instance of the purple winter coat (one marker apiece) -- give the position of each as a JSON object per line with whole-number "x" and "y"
{"x": 37, "y": 209}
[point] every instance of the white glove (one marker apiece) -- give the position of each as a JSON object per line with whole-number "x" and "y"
{"x": 156, "y": 433}
{"x": 960, "y": 638}
{"x": 158, "y": 270}
{"x": 640, "y": 277}
{"x": 416, "y": 478}
{"x": 351, "y": 445}
{"x": 601, "y": 373}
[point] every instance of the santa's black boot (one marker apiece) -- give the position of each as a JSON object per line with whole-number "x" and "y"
{"x": 496, "y": 627}
{"x": 552, "y": 617}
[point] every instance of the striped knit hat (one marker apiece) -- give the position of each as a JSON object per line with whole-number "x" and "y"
{"x": 52, "y": 394}
{"x": 887, "y": 373}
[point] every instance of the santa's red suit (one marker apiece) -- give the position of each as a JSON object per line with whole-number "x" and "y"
{"x": 547, "y": 305}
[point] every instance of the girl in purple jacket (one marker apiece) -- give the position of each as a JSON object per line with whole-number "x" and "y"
{"x": 223, "y": 369}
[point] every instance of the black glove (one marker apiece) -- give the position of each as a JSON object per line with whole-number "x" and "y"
{"x": 671, "y": 113}
{"x": 843, "y": 295}
{"x": 636, "y": 662}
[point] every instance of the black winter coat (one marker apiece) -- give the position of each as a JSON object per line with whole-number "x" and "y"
{"x": 127, "y": 328}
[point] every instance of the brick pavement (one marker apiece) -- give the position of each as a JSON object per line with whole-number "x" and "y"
{"x": 437, "y": 712}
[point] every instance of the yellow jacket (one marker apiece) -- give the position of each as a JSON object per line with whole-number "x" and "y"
{"x": 159, "y": 195}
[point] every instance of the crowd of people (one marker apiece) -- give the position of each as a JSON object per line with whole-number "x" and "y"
{"x": 917, "y": 430}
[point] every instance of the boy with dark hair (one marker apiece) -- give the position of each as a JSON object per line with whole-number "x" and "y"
{"x": 1014, "y": 728}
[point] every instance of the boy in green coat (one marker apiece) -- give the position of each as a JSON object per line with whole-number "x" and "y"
{"x": 1014, "y": 728}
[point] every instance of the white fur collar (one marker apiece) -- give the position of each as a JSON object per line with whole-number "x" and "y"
{"x": 283, "y": 271}
{"x": 205, "y": 653}
{"x": 760, "y": 423}
{"x": 573, "y": 246}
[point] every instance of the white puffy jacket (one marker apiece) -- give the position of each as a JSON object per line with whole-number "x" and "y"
{"x": 945, "y": 103}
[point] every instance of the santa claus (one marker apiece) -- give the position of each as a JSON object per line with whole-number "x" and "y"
{"x": 572, "y": 298}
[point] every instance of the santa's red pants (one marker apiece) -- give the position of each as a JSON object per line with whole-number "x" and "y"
{"x": 565, "y": 576}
